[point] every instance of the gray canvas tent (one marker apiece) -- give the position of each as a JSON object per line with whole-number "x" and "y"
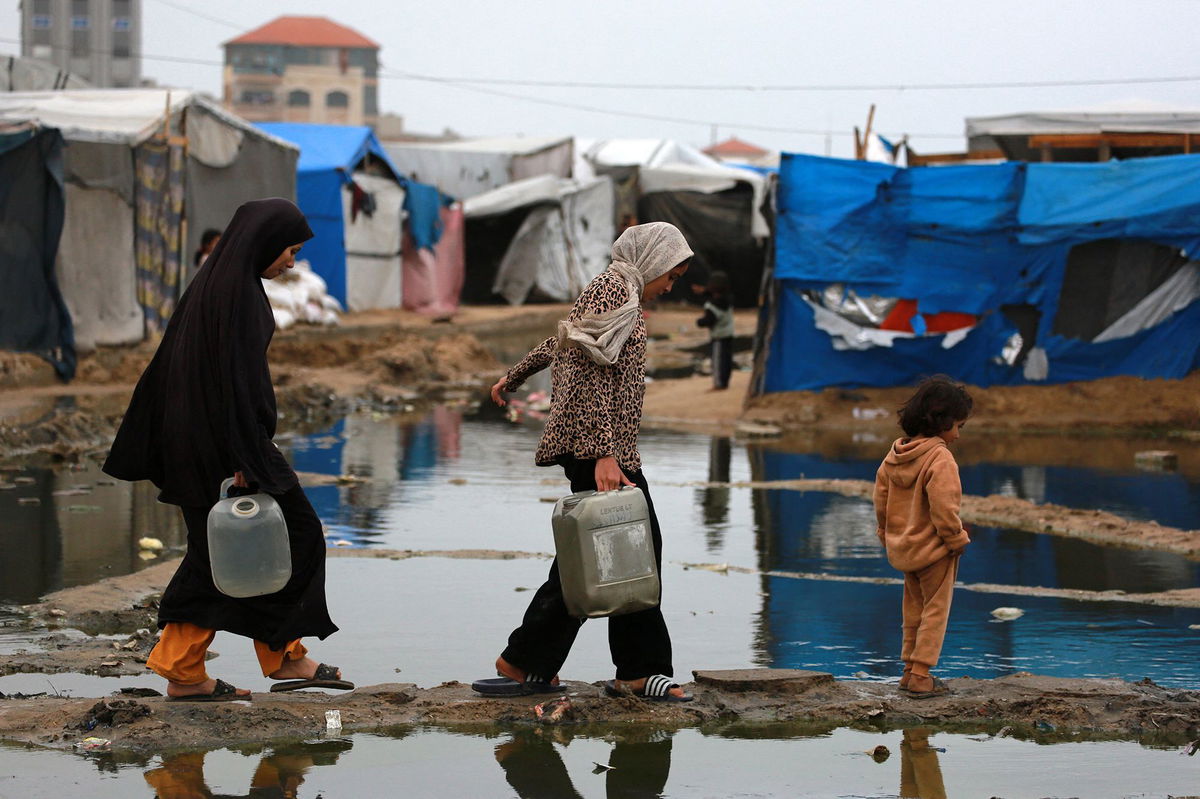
{"x": 540, "y": 238}
{"x": 464, "y": 169}
{"x": 146, "y": 171}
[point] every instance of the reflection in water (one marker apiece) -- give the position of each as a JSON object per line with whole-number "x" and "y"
{"x": 639, "y": 765}
{"x": 920, "y": 772}
{"x": 279, "y": 775}
{"x": 715, "y": 499}
{"x": 73, "y": 527}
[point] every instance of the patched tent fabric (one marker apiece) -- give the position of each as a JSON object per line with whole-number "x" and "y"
{"x": 540, "y": 238}
{"x": 357, "y": 200}
{"x": 1027, "y": 249}
{"x": 465, "y": 169}
{"x": 146, "y": 171}
{"x": 33, "y": 315}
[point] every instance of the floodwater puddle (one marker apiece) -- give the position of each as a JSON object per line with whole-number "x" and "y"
{"x": 531, "y": 763}
{"x": 449, "y": 481}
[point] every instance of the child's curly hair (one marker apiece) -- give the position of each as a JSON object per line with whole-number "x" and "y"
{"x": 938, "y": 403}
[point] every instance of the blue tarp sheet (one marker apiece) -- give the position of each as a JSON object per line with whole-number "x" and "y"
{"x": 971, "y": 239}
{"x": 328, "y": 156}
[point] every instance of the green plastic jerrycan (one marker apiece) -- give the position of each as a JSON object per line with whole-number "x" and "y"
{"x": 248, "y": 544}
{"x": 605, "y": 553}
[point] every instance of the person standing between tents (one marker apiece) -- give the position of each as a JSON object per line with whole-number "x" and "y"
{"x": 208, "y": 242}
{"x": 917, "y": 499}
{"x": 203, "y": 411}
{"x": 718, "y": 318}
{"x": 598, "y": 373}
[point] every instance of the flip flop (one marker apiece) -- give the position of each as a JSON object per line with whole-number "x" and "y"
{"x": 939, "y": 689}
{"x": 506, "y": 686}
{"x": 221, "y": 692}
{"x": 324, "y": 677}
{"x": 657, "y": 689}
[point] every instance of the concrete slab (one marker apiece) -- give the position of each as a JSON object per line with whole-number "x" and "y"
{"x": 775, "y": 681}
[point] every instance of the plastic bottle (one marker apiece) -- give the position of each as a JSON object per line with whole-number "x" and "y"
{"x": 605, "y": 553}
{"x": 248, "y": 545}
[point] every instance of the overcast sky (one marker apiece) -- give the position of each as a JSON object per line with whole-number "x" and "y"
{"x": 745, "y": 42}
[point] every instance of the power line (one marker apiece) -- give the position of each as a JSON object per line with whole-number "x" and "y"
{"x": 194, "y": 13}
{"x": 796, "y": 87}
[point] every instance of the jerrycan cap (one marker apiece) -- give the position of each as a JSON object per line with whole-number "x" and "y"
{"x": 245, "y": 507}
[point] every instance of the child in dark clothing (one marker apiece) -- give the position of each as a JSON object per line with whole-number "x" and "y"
{"x": 917, "y": 498}
{"x": 718, "y": 317}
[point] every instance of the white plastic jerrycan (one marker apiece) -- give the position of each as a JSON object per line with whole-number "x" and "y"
{"x": 248, "y": 544}
{"x": 605, "y": 553}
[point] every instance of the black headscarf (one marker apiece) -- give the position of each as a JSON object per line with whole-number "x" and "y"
{"x": 205, "y": 408}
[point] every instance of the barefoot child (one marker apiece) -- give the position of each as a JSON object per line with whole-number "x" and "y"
{"x": 917, "y": 497}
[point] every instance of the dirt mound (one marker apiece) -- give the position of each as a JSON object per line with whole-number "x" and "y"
{"x": 416, "y": 360}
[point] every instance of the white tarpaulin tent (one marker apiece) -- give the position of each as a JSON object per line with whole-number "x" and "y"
{"x": 667, "y": 165}
{"x": 227, "y": 162}
{"x": 562, "y": 243}
{"x": 373, "y": 244}
{"x": 464, "y": 169}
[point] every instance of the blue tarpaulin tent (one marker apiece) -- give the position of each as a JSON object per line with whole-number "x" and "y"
{"x": 1073, "y": 271}
{"x": 329, "y": 155}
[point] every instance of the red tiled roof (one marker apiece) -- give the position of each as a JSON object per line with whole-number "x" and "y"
{"x": 734, "y": 146}
{"x": 305, "y": 32}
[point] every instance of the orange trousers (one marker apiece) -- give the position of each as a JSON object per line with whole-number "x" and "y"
{"x": 179, "y": 653}
{"x": 927, "y": 595}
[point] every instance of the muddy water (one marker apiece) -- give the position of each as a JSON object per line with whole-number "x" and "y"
{"x": 452, "y": 482}
{"x": 529, "y": 763}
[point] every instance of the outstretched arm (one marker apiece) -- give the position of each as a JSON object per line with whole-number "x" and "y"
{"x": 537, "y": 360}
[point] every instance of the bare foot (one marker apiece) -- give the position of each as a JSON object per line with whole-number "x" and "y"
{"x": 638, "y": 685}
{"x": 506, "y": 669}
{"x": 206, "y": 687}
{"x": 303, "y": 669}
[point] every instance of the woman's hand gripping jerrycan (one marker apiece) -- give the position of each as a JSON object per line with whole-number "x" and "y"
{"x": 605, "y": 553}
{"x": 248, "y": 544}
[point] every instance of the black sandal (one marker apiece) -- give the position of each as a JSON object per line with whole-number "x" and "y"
{"x": 324, "y": 677}
{"x": 507, "y": 686}
{"x": 221, "y": 692}
{"x": 657, "y": 689}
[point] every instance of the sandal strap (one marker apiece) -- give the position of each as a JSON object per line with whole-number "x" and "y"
{"x": 531, "y": 677}
{"x": 325, "y": 672}
{"x": 658, "y": 686}
{"x": 223, "y": 688}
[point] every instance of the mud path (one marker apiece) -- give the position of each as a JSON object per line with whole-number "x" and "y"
{"x": 1096, "y": 526}
{"x": 1025, "y": 703}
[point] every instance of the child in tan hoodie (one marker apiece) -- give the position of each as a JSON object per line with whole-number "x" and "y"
{"x": 917, "y": 498}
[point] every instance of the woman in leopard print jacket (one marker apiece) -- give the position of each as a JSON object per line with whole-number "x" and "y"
{"x": 598, "y": 378}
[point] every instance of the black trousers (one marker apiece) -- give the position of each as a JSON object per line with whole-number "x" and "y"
{"x": 639, "y": 642}
{"x": 722, "y": 361}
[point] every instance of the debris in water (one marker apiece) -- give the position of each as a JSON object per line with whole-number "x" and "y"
{"x": 719, "y": 568}
{"x": 28, "y": 501}
{"x": 84, "y": 509}
{"x": 1194, "y": 626}
{"x": 333, "y": 719}
{"x": 1191, "y": 748}
{"x": 1044, "y": 726}
{"x": 91, "y": 744}
{"x": 550, "y": 500}
{"x": 24, "y": 481}
{"x": 1147, "y": 623}
{"x": 460, "y": 481}
{"x": 350, "y": 479}
{"x": 880, "y": 753}
{"x": 554, "y": 711}
{"x": 1007, "y": 614}
{"x": 146, "y": 554}
{"x": 151, "y": 544}
{"x": 72, "y": 492}
{"x": 59, "y": 612}
{"x": 600, "y": 768}
{"x": 520, "y": 588}
{"x": 341, "y": 542}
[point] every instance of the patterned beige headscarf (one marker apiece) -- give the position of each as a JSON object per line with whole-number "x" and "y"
{"x": 639, "y": 255}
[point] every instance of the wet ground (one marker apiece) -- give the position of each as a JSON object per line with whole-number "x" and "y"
{"x": 449, "y": 480}
{"x": 720, "y": 760}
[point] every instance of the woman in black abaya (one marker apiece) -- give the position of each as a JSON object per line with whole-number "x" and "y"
{"x": 204, "y": 410}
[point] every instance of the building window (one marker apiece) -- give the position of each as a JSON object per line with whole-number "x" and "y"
{"x": 370, "y": 100}
{"x": 257, "y": 97}
{"x": 80, "y": 23}
{"x": 40, "y": 23}
{"x": 122, "y": 24}
{"x": 299, "y": 99}
{"x": 120, "y": 44}
{"x": 337, "y": 100}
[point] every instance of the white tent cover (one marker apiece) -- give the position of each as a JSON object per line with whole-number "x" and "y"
{"x": 464, "y": 169}
{"x": 1139, "y": 118}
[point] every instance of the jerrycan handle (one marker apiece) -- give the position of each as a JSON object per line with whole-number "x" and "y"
{"x": 226, "y": 484}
